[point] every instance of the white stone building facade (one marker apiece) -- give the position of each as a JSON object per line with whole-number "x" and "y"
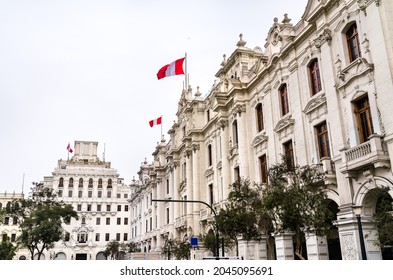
{"x": 319, "y": 91}
{"x": 99, "y": 196}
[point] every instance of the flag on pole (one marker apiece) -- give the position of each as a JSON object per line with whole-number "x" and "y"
{"x": 69, "y": 149}
{"x": 155, "y": 122}
{"x": 174, "y": 68}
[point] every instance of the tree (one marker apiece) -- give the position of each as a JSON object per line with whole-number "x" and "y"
{"x": 209, "y": 242}
{"x": 383, "y": 220}
{"x": 7, "y": 250}
{"x": 243, "y": 214}
{"x": 112, "y": 249}
{"x": 296, "y": 201}
{"x": 181, "y": 250}
{"x": 40, "y": 219}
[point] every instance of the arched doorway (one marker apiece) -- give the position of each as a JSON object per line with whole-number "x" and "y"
{"x": 333, "y": 238}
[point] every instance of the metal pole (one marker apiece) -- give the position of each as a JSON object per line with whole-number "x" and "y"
{"x": 362, "y": 245}
{"x": 211, "y": 208}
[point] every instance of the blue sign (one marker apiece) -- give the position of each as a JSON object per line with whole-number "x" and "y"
{"x": 194, "y": 241}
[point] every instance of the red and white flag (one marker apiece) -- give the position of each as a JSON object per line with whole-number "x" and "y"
{"x": 69, "y": 149}
{"x": 174, "y": 68}
{"x": 155, "y": 122}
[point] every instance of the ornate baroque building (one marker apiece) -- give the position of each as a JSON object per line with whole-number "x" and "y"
{"x": 318, "y": 91}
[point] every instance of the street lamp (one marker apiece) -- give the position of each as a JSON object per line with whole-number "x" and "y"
{"x": 208, "y": 205}
{"x": 358, "y": 212}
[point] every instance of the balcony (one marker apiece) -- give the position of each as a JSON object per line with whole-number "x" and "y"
{"x": 181, "y": 222}
{"x": 366, "y": 155}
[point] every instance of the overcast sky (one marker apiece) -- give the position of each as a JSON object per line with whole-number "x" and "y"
{"x": 86, "y": 70}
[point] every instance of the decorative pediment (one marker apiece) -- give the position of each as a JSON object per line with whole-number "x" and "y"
{"x": 259, "y": 139}
{"x": 314, "y": 104}
{"x": 284, "y": 127}
{"x": 358, "y": 69}
{"x": 209, "y": 172}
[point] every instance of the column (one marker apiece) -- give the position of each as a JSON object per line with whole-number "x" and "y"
{"x": 317, "y": 248}
{"x": 284, "y": 246}
{"x": 196, "y": 187}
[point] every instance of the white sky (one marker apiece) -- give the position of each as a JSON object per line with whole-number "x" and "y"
{"x": 86, "y": 70}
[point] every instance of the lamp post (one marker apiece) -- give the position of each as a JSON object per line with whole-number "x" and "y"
{"x": 358, "y": 211}
{"x": 208, "y": 205}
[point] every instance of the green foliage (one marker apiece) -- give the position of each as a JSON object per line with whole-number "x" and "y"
{"x": 209, "y": 242}
{"x": 112, "y": 249}
{"x": 295, "y": 200}
{"x": 244, "y": 214}
{"x": 7, "y": 250}
{"x": 177, "y": 248}
{"x": 41, "y": 218}
{"x": 383, "y": 219}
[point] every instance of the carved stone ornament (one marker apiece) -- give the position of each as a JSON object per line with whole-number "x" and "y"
{"x": 326, "y": 36}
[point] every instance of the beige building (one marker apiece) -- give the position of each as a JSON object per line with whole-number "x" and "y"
{"x": 318, "y": 91}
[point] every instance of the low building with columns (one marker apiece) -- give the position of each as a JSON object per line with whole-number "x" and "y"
{"x": 318, "y": 91}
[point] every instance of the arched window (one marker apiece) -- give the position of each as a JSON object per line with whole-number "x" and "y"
{"x": 90, "y": 183}
{"x": 235, "y": 132}
{"x": 352, "y": 37}
{"x": 71, "y": 183}
{"x": 80, "y": 183}
{"x": 100, "y": 183}
{"x": 109, "y": 183}
{"x": 209, "y": 155}
{"x": 61, "y": 182}
{"x": 284, "y": 99}
{"x": 259, "y": 115}
{"x": 315, "y": 77}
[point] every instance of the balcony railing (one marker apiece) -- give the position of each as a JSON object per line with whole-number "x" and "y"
{"x": 367, "y": 154}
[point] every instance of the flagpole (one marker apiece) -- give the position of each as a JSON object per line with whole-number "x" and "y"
{"x": 161, "y": 129}
{"x": 185, "y": 72}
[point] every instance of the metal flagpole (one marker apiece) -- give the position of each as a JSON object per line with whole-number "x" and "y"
{"x": 185, "y": 72}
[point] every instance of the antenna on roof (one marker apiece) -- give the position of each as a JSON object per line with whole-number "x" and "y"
{"x": 23, "y": 182}
{"x": 103, "y": 154}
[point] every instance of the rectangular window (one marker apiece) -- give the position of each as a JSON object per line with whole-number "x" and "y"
{"x": 235, "y": 133}
{"x": 4, "y": 237}
{"x": 99, "y": 194}
{"x": 167, "y": 215}
{"x": 90, "y": 194}
{"x": 363, "y": 117}
{"x": 323, "y": 140}
{"x": 126, "y": 208}
{"x": 118, "y": 208}
{"x": 13, "y": 237}
{"x": 7, "y": 220}
{"x": 108, "y": 207}
{"x": 98, "y": 207}
{"x": 236, "y": 174}
{"x": 70, "y": 193}
{"x": 97, "y": 237}
{"x": 167, "y": 186}
{"x": 60, "y": 193}
{"x": 80, "y": 193}
{"x": 288, "y": 154}
{"x": 117, "y": 236}
{"x": 126, "y": 221}
{"x": 98, "y": 221}
{"x": 15, "y": 220}
{"x": 151, "y": 223}
{"x": 119, "y": 221}
{"x": 263, "y": 168}
{"x": 108, "y": 221}
{"x": 89, "y": 207}
{"x": 125, "y": 238}
{"x": 106, "y": 236}
{"x": 108, "y": 194}
{"x": 79, "y": 207}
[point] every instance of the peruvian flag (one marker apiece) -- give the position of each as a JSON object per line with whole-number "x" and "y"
{"x": 174, "y": 68}
{"x": 155, "y": 122}
{"x": 69, "y": 149}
